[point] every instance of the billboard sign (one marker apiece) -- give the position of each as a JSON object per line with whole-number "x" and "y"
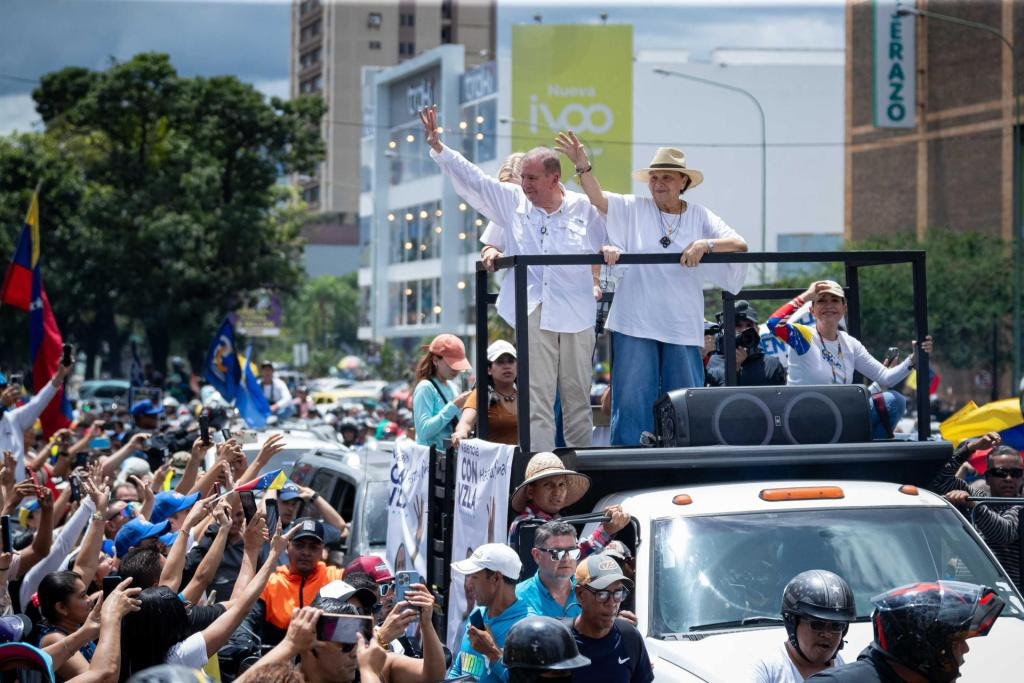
{"x": 895, "y": 103}
{"x": 580, "y": 78}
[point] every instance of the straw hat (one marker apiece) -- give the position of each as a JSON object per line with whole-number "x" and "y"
{"x": 542, "y": 466}
{"x": 670, "y": 159}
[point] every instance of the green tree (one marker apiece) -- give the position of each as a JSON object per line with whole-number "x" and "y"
{"x": 162, "y": 207}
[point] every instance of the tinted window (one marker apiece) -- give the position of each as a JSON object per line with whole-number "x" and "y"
{"x": 375, "y": 512}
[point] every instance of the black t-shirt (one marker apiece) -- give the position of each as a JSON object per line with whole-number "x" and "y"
{"x": 870, "y": 667}
{"x": 619, "y": 657}
{"x": 224, "y": 578}
{"x": 201, "y": 616}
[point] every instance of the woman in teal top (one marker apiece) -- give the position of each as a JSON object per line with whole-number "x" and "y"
{"x": 435, "y": 405}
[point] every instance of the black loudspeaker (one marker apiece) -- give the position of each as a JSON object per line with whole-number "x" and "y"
{"x": 759, "y": 416}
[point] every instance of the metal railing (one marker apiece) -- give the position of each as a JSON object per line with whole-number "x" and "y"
{"x": 852, "y": 261}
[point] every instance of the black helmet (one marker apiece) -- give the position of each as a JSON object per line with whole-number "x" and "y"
{"x": 916, "y": 624}
{"x": 348, "y": 424}
{"x": 169, "y": 673}
{"x": 817, "y": 594}
{"x": 541, "y": 644}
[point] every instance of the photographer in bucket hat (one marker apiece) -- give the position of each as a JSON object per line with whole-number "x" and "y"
{"x": 548, "y": 488}
{"x": 657, "y": 320}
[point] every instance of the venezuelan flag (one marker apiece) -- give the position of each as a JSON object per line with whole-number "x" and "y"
{"x": 23, "y": 288}
{"x": 1004, "y": 416}
{"x": 271, "y": 481}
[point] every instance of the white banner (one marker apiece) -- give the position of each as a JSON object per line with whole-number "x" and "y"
{"x": 894, "y": 66}
{"x": 483, "y": 471}
{"x": 407, "y": 507}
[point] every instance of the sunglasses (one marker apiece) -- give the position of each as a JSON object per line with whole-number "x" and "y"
{"x": 557, "y": 554}
{"x": 619, "y": 594}
{"x": 385, "y": 588}
{"x": 1004, "y": 473}
{"x": 825, "y": 626}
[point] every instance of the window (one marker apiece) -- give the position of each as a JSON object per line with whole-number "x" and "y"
{"x": 415, "y": 234}
{"x": 311, "y": 85}
{"x": 311, "y": 31}
{"x": 374, "y": 44}
{"x": 374, "y": 20}
{"x": 310, "y": 58}
{"x": 446, "y": 35}
{"x": 311, "y": 195}
{"x": 477, "y": 130}
{"x": 308, "y": 6}
{"x": 414, "y": 302}
{"x": 407, "y": 19}
{"x": 407, "y": 49}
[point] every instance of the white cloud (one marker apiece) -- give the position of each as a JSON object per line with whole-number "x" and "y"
{"x": 274, "y": 87}
{"x": 18, "y": 113}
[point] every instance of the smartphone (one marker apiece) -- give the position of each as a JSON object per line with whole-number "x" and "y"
{"x": 248, "y": 504}
{"x": 100, "y": 442}
{"x": 271, "y": 504}
{"x": 110, "y": 582}
{"x": 476, "y": 619}
{"x": 204, "y": 428}
{"x": 343, "y": 628}
{"x": 892, "y": 354}
{"x": 66, "y": 353}
{"x": 76, "y": 488}
{"x": 5, "y": 534}
{"x": 402, "y": 582}
{"x": 16, "y": 380}
{"x": 226, "y": 433}
{"x": 156, "y": 458}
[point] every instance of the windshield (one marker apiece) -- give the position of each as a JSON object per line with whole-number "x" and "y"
{"x": 708, "y": 570}
{"x": 375, "y": 512}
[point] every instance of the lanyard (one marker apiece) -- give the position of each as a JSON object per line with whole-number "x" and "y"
{"x": 834, "y": 362}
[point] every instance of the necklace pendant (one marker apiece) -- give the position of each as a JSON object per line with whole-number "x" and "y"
{"x": 544, "y": 230}
{"x": 665, "y": 241}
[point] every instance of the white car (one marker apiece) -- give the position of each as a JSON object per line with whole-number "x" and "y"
{"x": 713, "y": 559}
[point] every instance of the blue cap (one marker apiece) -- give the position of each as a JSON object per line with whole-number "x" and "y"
{"x": 108, "y": 547}
{"x": 137, "y": 531}
{"x": 168, "y": 538}
{"x": 145, "y": 407}
{"x": 290, "y": 491}
{"x": 25, "y": 656}
{"x": 3, "y": 380}
{"x": 168, "y": 503}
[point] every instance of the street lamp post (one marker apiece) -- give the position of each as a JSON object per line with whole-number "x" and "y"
{"x": 1018, "y": 284}
{"x": 764, "y": 151}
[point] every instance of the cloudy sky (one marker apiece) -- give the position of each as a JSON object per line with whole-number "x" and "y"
{"x": 249, "y": 38}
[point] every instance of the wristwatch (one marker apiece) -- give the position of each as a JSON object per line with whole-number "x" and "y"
{"x": 312, "y": 499}
{"x": 710, "y": 245}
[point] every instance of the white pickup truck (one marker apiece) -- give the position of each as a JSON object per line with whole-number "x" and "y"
{"x": 712, "y": 561}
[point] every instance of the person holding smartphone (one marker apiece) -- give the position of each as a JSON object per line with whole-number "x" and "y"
{"x": 15, "y": 420}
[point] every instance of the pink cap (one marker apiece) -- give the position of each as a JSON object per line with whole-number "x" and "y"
{"x": 451, "y": 348}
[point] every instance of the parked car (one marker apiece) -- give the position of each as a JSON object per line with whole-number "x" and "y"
{"x": 104, "y": 394}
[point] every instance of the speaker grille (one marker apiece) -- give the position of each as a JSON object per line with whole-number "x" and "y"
{"x": 742, "y": 420}
{"x": 812, "y": 417}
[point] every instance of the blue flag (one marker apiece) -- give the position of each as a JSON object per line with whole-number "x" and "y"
{"x": 221, "y": 368}
{"x": 249, "y": 400}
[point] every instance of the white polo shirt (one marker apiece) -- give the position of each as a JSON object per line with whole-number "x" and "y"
{"x": 518, "y": 227}
{"x": 665, "y": 302}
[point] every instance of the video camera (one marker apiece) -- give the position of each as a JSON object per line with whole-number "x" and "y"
{"x": 749, "y": 338}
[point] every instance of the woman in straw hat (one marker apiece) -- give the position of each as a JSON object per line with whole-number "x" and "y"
{"x": 435, "y": 404}
{"x": 547, "y": 489}
{"x": 824, "y": 354}
{"x": 657, "y": 319}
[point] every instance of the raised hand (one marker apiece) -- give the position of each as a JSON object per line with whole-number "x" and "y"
{"x": 302, "y": 628}
{"x": 431, "y": 132}
{"x": 121, "y": 601}
{"x": 255, "y": 534}
{"x": 569, "y": 145}
{"x": 370, "y": 655}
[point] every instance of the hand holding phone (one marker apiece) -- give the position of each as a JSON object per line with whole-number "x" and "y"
{"x": 476, "y": 619}
{"x": 343, "y": 628}
{"x": 892, "y": 354}
{"x": 248, "y": 504}
{"x": 110, "y": 582}
{"x": 5, "y": 534}
{"x": 204, "y": 427}
{"x": 272, "y": 515}
{"x": 402, "y": 582}
{"x": 67, "y": 354}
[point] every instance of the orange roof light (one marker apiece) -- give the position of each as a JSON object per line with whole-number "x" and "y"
{"x": 801, "y": 493}
{"x": 682, "y": 499}
{"x": 909, "y": 489}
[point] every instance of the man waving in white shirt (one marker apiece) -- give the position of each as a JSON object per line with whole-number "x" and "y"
{"x": 540, "y": 217}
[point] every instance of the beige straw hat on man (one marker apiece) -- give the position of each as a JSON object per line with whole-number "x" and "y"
{"x": 670, "y": 159}
{"x": 542, "y": 466}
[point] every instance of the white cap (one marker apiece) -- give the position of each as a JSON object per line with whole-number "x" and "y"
{"x": 498, "y": 349}
{"x": 497, "y": 557}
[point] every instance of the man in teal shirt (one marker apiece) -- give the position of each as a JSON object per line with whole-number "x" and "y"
{"x": 491, "y": 573}
{"x": 549, "y": 592}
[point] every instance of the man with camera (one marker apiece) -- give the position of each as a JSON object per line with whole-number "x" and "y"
{"x": 753, "y": 367}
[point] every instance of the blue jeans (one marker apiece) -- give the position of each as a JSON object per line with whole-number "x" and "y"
{"x": 895, "y": 405}
{"x": 643, "y": 370}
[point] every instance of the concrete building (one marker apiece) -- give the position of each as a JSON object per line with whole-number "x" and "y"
{"x": 332, "y": 41}
{"x": 953, "y": 168}
{"x": 424, "y": 239}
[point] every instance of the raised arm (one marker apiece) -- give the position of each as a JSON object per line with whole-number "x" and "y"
{"x": 170, "y": 575}
{"x": 798, "y": 337}
{"x": 112, "y": 463}
{"x": 89, "y": 554}
{"x": 207, "y": 568}
{"x": 569, "y": 145}
{"x": 271, "y": 447}
{"x": 106, "y": 661}
{"x": 42, "y": 542}
{"x": 188, "y": 478}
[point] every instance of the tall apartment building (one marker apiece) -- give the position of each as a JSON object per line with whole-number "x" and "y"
{"x": 332, "y": 44}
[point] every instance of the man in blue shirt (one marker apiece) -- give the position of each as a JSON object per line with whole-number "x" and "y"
{"x": 491, "y": 573}
{"x": 549, "y": 592}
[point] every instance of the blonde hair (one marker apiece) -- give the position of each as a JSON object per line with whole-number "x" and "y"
{"x": 512, "y": 168}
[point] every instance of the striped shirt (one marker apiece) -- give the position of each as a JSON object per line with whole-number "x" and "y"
{"x": 998, "y": 524}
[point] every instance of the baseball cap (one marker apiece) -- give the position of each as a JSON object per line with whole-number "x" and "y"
{"x": 290, "y": 491}
{"x": 617, "y": 549}
{"x": 266, "y": 363}
{"x": 342, "y": 590}
{"x": 14, "y": 627}
{"x": 497, "y": 557}
{"x": 830, "y": 287}
{"x": 375, "y": 567}
{"x": 168, "y": 503}
{"x": 599, "y": 572}
{"x": 744, "y": 311}
{"x": 25, "y": 656}
{"x": 451, "y": 349}
{"x": 499, "y": 349}
{"x": 136, "y": 531}
{"x": 309, "y": 528}
{"x": 145, "y": 407}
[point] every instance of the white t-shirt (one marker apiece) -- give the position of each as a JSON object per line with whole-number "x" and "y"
{"x": 665, "y": 302}
{"x": 190, "y": 652}
{"x": 778, "y": 667}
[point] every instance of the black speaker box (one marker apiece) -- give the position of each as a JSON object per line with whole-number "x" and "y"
{"x": 759, "y": 416}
